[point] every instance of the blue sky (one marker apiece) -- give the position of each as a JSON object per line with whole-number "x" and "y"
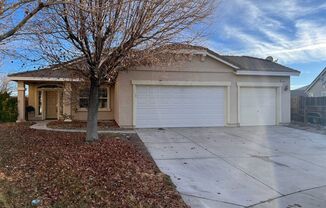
{"x": 292, "y": 31}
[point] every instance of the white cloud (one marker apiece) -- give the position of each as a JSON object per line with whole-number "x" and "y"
{"x": 293, "y": 9}
{"x": 289, "y": 30}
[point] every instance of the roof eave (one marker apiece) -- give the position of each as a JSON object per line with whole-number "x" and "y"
{"x": 46, "y": 79}
{"x": 267, "y": 73}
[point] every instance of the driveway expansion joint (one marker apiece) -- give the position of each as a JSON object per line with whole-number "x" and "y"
{"x": 167, "y": 142}
{"x": 214, "y": 200}
{"x": 285, "y": 195}
{"x": 238, "y": 168}
{"x": 189, "y": 158}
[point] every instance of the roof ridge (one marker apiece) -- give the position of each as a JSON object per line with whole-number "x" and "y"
{"x": 253, "y": 57}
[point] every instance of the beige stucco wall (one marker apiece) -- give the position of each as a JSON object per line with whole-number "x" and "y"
{"x": 32, "y": 93}
{"x": 318, "y": 90}
{"x": 197, "y": 70}
{"x": 116, "y": 115}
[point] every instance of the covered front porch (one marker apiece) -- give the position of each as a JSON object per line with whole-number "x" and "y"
{"x": 46, "y": 101}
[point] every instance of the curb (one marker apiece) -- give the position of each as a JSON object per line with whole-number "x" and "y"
{"x": 42, "y": 126}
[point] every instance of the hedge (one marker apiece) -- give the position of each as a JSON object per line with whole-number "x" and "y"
{"x": 8, "y": 108}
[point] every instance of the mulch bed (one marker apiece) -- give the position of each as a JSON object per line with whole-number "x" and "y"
{"x": 102, "y": 125}
{"x": 61, "y": 170}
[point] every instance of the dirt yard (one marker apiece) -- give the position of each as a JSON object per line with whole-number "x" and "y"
{"x": 102, "y": 125}
{"x": 61, "y": 170}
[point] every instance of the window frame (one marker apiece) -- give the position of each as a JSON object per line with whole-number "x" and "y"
{"x": 108, "y": 108}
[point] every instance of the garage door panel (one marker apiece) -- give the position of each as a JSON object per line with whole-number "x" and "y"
{"x": 180, "y": 116}
{"x": 148, "y": 123}
{"x": 179, "y": 106}
{"x": 257, "y": 106}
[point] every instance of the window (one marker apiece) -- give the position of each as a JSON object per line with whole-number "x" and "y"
{"x": 323, "y": 93}
{"x": 83, "y": 98}
{"x": 103, "y": 98}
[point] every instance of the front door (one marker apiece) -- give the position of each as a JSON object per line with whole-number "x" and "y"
{"x": 51, "y": 105}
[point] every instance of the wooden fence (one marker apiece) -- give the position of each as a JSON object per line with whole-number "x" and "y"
{"x": 309, "y": 110}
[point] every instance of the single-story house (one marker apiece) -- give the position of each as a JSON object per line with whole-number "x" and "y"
{"x": 206, "y": 90}
{"x": 318, "y": 87}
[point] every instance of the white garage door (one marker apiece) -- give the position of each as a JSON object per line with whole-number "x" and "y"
{"x": 257, "y": 106}
{"x": 179, "y": 106}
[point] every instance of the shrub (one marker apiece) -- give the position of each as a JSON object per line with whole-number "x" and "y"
{"x": 8, "y": 108}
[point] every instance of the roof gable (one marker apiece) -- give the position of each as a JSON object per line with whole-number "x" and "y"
{"x": 322, "y": 73}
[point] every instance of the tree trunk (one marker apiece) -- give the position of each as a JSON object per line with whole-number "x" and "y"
{"x": 92, "y": 134}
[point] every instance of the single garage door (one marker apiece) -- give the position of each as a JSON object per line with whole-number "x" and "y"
{"x": 257, "y": 106}
{"x": 179, "y": 106}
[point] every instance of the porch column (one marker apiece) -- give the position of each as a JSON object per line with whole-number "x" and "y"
{"x": 21, "y": 101}
{"x": 67, "y": 102}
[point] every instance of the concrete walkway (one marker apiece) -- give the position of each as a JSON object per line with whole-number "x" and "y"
{"x": 42, "y": 125}
{"x": 259, "y": 167}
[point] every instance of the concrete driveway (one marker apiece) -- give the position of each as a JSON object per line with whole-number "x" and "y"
{"x": 260, "y": 167}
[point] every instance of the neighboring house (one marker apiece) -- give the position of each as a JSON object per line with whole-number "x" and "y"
{"x": 308, "y": 104}
{"x": 318, "y": 87}
{"x": 206, "y": 90}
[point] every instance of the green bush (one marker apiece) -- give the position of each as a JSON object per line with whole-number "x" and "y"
{"x": 8, "y": 108}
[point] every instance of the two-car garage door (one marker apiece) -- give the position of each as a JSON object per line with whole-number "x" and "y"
{"x": 179, "y": 106}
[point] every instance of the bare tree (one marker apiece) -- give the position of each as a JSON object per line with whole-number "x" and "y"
{"x": 8, "y": 11}
{"x": 4, "y": 84}
{"x": 107, "y": 34}
{"x": 11, "y": 9}
{"x": 15, "y": 18}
